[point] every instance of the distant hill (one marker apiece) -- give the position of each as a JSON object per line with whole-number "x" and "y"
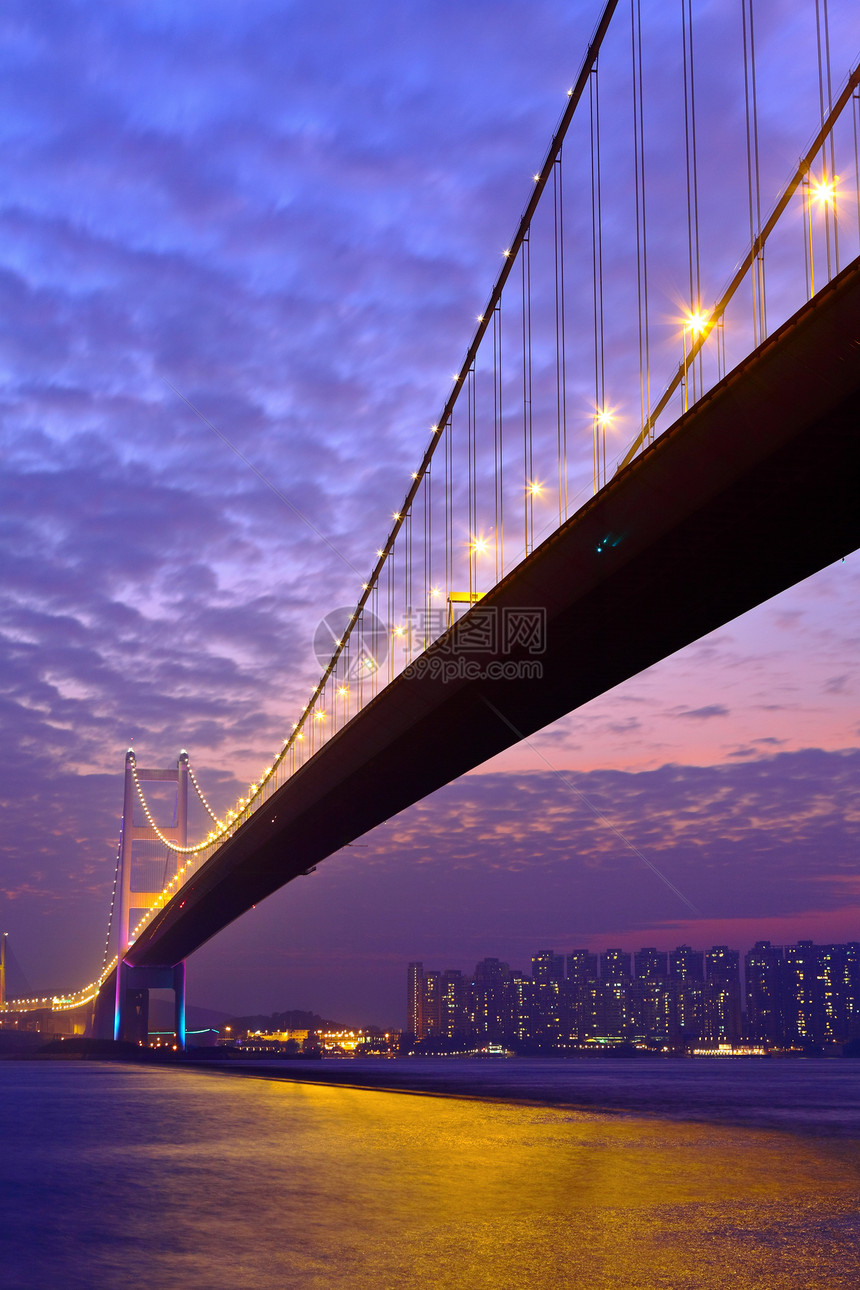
{"x": 292, "y": 1020}
{"x": 161, "y": 1017}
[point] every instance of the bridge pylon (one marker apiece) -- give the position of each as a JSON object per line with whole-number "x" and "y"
{"x": 136, "y": 897}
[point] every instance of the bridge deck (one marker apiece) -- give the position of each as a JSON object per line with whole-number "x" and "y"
{"x": 754, "y": 489}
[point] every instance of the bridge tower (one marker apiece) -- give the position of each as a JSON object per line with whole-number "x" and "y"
{"x": 131, "y": 1006}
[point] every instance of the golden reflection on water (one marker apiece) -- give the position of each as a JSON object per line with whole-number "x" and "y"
{"x": 295, "y": 1185}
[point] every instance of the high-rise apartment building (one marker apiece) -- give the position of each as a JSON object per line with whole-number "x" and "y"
{"x": 650, "y": 964}
{"x": 722, "y": 995}
{"x": 491, "y": 1003}
{"x": 521, "y": 994}
{"x": 578, "y": 996}
{"x": 452, "y": 1004}
{"x": 615, "y": 965}
{"x": 804, "y": 1012}
{"x": 581, "y": 965}
{"x": 686, "y": 964}
{"x": 763, "y": 970}
{"x": 839, "y": 991}
{"x": 548, "y": 966}
{"x": 850, "y": 988}
{"x": 415, "y": 999}
{"x": 432, "y": 1004}
{"x": 548, "y": 1000}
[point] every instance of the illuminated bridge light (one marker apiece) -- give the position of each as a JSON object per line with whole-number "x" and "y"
{"x": 695, "y": 323}
{"x": 824, "y": 190}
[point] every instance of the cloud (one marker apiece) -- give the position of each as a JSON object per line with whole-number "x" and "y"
{"x": 702, "y": 714}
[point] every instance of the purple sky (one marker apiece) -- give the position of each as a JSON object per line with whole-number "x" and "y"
{"x": 290, "y": 214}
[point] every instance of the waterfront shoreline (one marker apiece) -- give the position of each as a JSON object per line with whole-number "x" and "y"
{"x": 814, "y": 1098}
{"x": 817, "y": 1097}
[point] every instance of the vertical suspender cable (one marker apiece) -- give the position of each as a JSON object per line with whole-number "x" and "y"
{"x": 833, "y": 175}
{"x": 471, "y": 476}
{"x": 428, "y": 554}
{"x": 408, "y": 615}
{"x": 753, "y": 174}
{"x": 448, "y": 431}
{"x": 692, "y": 173}
{"x": 375, "y": 629}
{"x": 824, "y": 98}
{"x": 806, "y": 201}
{"x": 528, "y": 455}
{"x": 389, "y": 572}
{"x": 600, "y": 409}
{"x": 499, "y": 454}
{"x": 361, "y": 655}
{"x": 473, "y": 455}
{"x": 560, "y": 348}
{"x": 641, "y": 227}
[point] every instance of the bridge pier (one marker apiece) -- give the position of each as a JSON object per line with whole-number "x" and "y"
{"x": 132, "y": 1012}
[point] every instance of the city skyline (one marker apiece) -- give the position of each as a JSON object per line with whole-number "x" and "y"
{"x": 200, "y": 209}
{"x": 800, "y": 997}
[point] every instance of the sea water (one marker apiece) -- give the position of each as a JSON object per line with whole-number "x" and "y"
{"x": 115, "y": 1175}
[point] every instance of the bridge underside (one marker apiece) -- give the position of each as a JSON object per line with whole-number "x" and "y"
{"x": 754, "y": 489}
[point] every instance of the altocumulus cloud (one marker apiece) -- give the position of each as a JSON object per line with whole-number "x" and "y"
{"x": 777, "y": 835}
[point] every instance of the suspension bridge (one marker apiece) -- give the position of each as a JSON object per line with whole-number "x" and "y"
{"x": 536, "y": 559}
